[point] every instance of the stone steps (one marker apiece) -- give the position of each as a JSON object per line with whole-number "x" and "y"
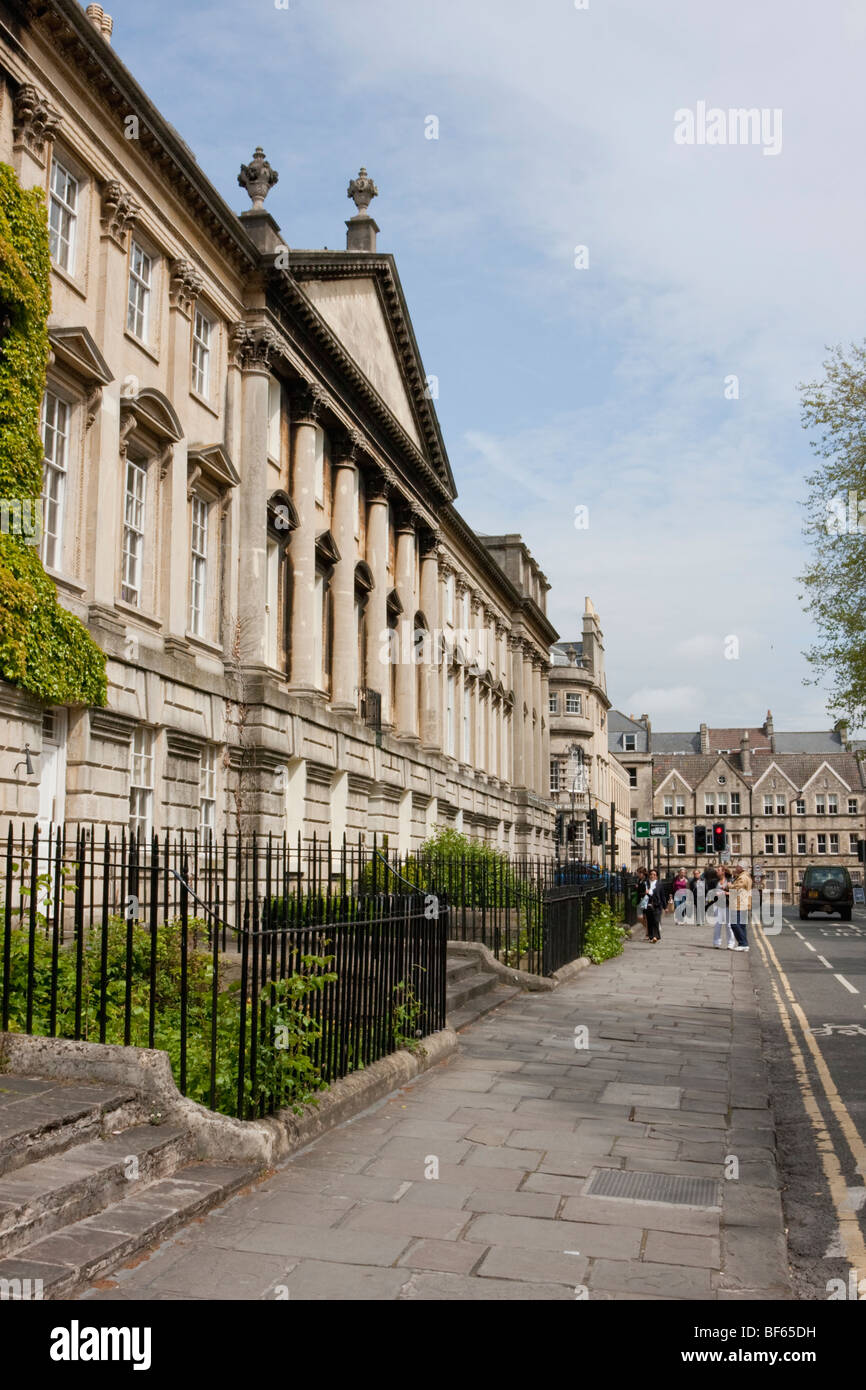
{"x": 68, "y": 1260}
{"x": 39, "y": 1120}
{"x": 86, "y": 1183}
{"x": 471, "y": 991}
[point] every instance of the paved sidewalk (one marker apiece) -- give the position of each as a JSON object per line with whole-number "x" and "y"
{"x": 672, "y": 1082}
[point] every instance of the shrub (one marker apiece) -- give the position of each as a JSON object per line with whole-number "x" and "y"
{"x": 604, "y": 934}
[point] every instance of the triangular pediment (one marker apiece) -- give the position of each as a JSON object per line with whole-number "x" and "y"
{"x": 76, "y": 348}
{"x": 352, "y": 308}
{"x": 360, "y": 303}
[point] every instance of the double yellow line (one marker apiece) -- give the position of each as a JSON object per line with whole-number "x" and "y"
{"x": 849, "y": 1226}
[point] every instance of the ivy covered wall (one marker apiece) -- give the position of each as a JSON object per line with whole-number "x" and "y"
{"x": 43, "y": 648}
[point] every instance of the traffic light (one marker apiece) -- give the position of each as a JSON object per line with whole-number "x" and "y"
{"x": 720, "y": 841}
{"x": 572, "y": 832}
{"x": 560, "y": 825}
{"x": 700, "y": 839}
{"x": 594, "y": 830}
{"x": 861, "y": 850}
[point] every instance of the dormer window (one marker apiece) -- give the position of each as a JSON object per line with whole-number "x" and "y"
{"x": 628, "y": 743}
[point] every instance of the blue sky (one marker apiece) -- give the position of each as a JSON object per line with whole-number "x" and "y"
{"x": 601, "y": 387}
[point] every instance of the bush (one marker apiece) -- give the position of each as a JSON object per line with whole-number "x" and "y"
{"x": 286, "y": 1038}
{"x": 604, "y": 935}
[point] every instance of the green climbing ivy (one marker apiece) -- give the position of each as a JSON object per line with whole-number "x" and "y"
{"x": 43, "y": 648}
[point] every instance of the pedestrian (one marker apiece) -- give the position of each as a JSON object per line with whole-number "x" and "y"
{"x": 642, "y": 881}
{"x": 718, "y": 898}
{"x": 741, "y": 901}
{"x": 681, "y": 887}
{"x": 654, "y": 907}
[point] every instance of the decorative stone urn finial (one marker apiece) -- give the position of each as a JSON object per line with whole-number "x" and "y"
{"x": 258, "y": 178}
{"x": 362, "y": 191}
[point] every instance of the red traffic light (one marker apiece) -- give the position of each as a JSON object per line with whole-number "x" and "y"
{"x": 719, "y": 840}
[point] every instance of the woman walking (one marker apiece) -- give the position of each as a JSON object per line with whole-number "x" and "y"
{"x": 741, "y": 899}
{"x": 654, "y": 907}
{"x": 681, "y": 888}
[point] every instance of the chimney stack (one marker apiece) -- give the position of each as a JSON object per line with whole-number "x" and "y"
{"x": 361, "y": 229}
{"x": 100, "y": 20}
{"x": 705, "y": 739}
{"x": 745, "y": 754}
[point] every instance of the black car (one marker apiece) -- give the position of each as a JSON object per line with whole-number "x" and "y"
{"x": 826, "y": 890}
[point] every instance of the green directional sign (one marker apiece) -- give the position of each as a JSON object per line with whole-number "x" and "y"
{"x": 642, "y": 829}
{"x": 660, "y": 829}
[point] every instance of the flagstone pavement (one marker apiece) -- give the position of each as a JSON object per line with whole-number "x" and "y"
{"x": 471, "y": 1183}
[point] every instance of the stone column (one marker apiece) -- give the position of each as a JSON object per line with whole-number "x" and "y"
{"x": 406, "y": 715}
{"x": 376, "y": 614}
{"x": 545, "y": 742}
{"x": 184, "y": 287}
{"x": 306, "y": 408}
{"x": 539, "y": 741}
{"x": 255, "y": 357}
{"x": 431, "y": 721}
{"x": 344, "y": 665}
{"x": 518, "y": 743}
{"x": 35, "y": 124}
{"x": 529, "y": 730}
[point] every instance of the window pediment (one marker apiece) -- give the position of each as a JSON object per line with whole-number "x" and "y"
{"x": 364, "y": 581}
{"x": 327, "y": 551}
{"x": 153, "y": 413}
{"x": 210, "y": 461}
{"x": 76, "y": 349}
{"x": 394, "y": 606}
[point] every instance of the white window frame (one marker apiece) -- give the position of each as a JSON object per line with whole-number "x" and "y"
{"x": 207, "y": 791}
{"x": 782, "y": 842}
{"x": 139, "y": 291}
{"x": 679, "y": 805}
{"x": 833, "y": 847}
{"x": 832, "y": 804}
{"x": 199, "y": 521}
{"x": 628, "y": 743}
{"x": 63, "y": 213}
{"x": 134, "y": 530}
{"x": 800, "y": 807}
{"x": 667, "y": 806}
{"x": 821, "y": 805}
{"x": 769, "y": 844}
{"x": 202, "y": 351}
{"x": 553, "y": 703}
{"x": 821, "y": 844}
{"x": 852, "y": 842}
{"x": 573, "y": 702}
{"x": 801, "y": 842}
{"x": 681, "y": 844}
{"x": 554, "y": 775}
{"x": 852, "y": 806}
{"x": 768, "y": 805}
{"x": 735, "y": 803}
{"x": 141, "y": 781}
{"x": 722, "y": 805}
{"x": 781, "y": 805}
{"x": 55, "y": 476}
{"x": 709, "y": 803}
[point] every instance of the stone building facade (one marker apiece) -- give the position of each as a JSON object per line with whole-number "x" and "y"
{"x": 787, "y": 800}
{"x": 580, "y": 756}
{"x": 249, "y": 503}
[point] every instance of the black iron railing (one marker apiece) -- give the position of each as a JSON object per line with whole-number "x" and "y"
{"x": 260, "y": 995}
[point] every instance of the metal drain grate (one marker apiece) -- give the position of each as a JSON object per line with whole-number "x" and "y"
{"x": 654, "y": 1187}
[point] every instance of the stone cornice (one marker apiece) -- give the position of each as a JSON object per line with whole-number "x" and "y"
{"x": 98, "y": 69}
{"x": 331, "y": 265}
{"x": 298, "y": 306}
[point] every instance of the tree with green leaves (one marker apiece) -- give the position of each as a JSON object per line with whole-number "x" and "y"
{"x": 834, "y": 411}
